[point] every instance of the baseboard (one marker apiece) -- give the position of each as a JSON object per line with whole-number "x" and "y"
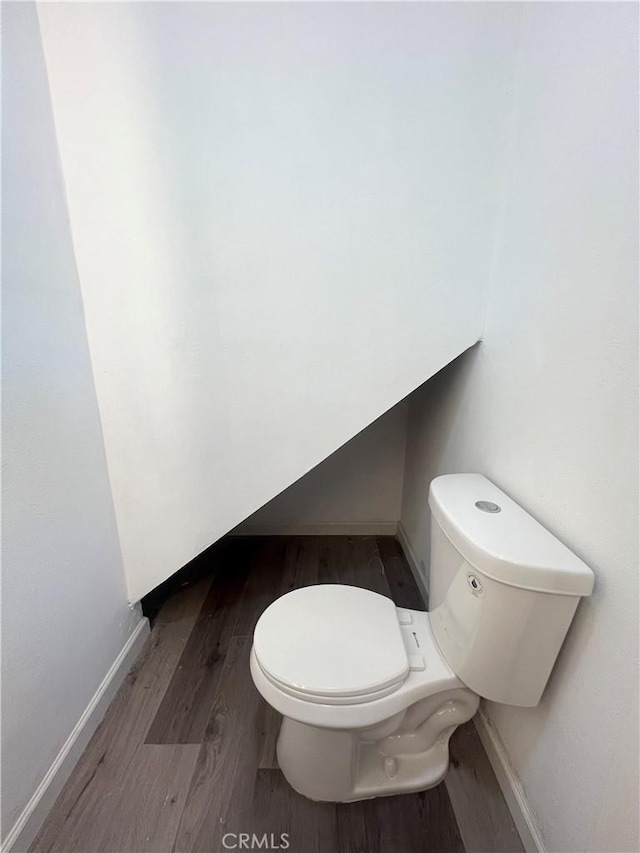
{"x": 414, "y": 565}
{"x": 510, "y": 785}
{"x": 357, "y": 528}
{"x": 33, "y": 816}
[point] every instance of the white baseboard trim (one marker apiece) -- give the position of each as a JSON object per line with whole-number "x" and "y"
{"x": 33, "y": 816}
{"x": 409, "y": 553}
{"x": 356, "y": 528}
{"x": 521, "y": 813}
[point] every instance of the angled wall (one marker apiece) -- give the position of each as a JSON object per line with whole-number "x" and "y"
{"x": 283, "y": 219}
{"x": 356, "y": 490}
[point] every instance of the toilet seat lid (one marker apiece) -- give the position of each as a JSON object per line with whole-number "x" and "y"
{"x": 332, "y": 640}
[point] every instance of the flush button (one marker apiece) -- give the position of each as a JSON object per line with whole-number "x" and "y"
{"x": 404, "y": 617}
{"x": 416, "y": 662}
{"x": 488, "y": 506}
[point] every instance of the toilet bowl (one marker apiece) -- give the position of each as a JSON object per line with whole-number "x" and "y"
{"x": 371, "y": 693}
{"x": 368, "y": 701}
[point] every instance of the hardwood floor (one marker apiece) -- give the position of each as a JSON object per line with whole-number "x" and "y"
{"x": 186, "y": 752}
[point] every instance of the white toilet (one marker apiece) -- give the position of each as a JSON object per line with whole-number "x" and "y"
{"x": 370, "y": 693}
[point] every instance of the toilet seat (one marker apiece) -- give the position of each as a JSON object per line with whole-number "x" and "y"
{"x": 358, "y": 710}
{"x": 350, "y": 699}
{"x": 332, "y": 644}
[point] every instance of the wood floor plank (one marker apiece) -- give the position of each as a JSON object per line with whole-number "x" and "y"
{"x": 359, "y": 563}
{"x": 276, "y": 810}
{"x": 406, "y": 823}
{"x": 301, "y": 563}
{"x": 404, "y": 589}
{"x": 270, "y": 722}
{"x": 483, "y": 817}
{"x": 438, "y": 820}
{"x": 264, "y": 583}
{"x": 185, "y": 604}
{"x": 146, "y": 804}
{"x": 404, "y": 811}
{"x": 140, "y": 807}
{"x": 185, "y": 709}
{"x": 116, "y": 740}
{"x": 351, "y": 833}
{"x": 280, "y": 564}
{"x": 224, "y": 776}
{"x": 328, "y": 571}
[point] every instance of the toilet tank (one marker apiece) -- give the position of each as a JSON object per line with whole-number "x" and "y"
{"x": 503, "y": 590}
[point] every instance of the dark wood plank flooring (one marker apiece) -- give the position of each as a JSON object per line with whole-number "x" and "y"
{"x": 186, "y": 752}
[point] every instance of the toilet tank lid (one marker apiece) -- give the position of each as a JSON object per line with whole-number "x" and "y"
{"x": 508, "y": 545}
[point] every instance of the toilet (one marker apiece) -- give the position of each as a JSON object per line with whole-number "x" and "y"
{"x": 371, "y": 693}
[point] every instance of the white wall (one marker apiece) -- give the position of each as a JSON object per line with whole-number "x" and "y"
{"x": 65, "y": 616}
{"x": 547, "y": 407}
{"x": 283, "y": 218}
{"x": 357, "y": 489}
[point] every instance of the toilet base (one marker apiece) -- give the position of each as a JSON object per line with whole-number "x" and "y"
{"x": 411, "y": 772}
{"x": 405, "y": 754}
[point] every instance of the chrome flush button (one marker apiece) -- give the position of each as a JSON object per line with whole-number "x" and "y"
{"x": 487, "y": 506}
